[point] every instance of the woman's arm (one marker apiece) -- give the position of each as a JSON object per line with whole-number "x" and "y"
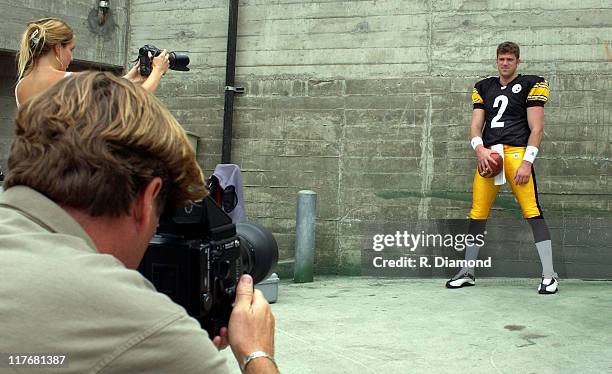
{"x": 161, "y": 64}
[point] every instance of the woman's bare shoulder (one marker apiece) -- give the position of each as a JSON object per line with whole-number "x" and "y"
{"x": 36, "y": 82}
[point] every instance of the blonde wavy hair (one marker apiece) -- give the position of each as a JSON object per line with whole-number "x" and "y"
{"x": 40, "y": 37}
{"x": 93, "y": 141}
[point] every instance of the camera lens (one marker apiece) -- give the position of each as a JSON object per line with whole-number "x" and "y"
{"x": 178, "y": 61}
{"x": 258, "y": 249}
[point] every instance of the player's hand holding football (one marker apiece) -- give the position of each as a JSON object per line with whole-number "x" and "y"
{"x": 484, "y": 157}
{"x": 523, "y": 173}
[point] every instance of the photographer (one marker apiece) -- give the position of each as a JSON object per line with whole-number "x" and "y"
{"x": 45, "y": 51}
{"x": 94, "y": 163}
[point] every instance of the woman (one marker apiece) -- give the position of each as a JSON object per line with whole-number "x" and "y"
{"x": 45, "y": 52}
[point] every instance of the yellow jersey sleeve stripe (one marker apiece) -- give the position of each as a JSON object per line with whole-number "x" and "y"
{"x": 538, "y": 93}
{"x": 537, "y": 98}
{"x": 476, "y": 98}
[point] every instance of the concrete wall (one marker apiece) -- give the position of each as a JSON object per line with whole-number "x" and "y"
{"x": 99, "y": 46}
{"x": 368, "y": 103}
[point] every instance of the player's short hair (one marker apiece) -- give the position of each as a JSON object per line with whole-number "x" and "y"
{"x": 509, "y": 47}
{"x": 93, "y": 141}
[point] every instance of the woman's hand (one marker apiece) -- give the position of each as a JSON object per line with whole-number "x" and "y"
{"x": 134, "y": 74}
{"x": 161, "y": 63}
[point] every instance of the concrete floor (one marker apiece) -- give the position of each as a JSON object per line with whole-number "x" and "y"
{"x": 372, "y": 325}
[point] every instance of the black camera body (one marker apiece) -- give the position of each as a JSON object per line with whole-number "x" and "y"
{"x": 178, "y": 61}
{"x": 198, "y": 255}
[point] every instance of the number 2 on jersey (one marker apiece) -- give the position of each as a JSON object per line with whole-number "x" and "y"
{"x": 503, "y": 100}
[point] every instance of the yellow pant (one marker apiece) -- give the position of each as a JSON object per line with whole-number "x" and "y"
{"x": 484, "y": 189}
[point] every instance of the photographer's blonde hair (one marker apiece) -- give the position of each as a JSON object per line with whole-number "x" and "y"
{"x": 95, "y": 140}
{"x": 40, "y": 37}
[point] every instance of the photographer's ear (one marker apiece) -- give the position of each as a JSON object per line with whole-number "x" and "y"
{"x": 145, "y": 206}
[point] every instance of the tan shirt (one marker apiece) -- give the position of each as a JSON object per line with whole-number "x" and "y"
{"x": 58, "y": 295}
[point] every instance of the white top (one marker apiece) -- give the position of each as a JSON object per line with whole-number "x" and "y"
{"x": 17, "y": 85}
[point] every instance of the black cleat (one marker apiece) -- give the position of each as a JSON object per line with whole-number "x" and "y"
{"x": 464, "y": 280}
{"x": 550, "y": 288}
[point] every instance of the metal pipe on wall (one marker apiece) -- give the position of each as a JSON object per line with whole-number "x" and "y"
{"x": 230, "y": 89}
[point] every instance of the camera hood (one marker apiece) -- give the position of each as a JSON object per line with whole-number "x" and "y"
{"x": 179, "y": 61}
{"x": 261, "y": 249}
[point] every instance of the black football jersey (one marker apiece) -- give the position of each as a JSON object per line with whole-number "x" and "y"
{"x": 506, "y": 107}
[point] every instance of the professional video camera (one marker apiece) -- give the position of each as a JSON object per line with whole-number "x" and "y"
{"x": 178, "y": 61}
{"x": 197, "y": 256}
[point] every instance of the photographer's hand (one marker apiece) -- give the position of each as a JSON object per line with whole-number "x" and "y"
{"x": 251, "y": 327}
{"x": 221, "y": 341}
{"x": 134, "y": 74}
{"x": 160, "y": 64}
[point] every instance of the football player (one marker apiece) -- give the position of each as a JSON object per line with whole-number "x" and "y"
{"x": 508, "y": 118}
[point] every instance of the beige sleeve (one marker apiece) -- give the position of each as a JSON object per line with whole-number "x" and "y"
{"x": 179, "y": 347}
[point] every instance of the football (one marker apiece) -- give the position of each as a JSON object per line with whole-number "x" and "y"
{"x": 495, "y": 168}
